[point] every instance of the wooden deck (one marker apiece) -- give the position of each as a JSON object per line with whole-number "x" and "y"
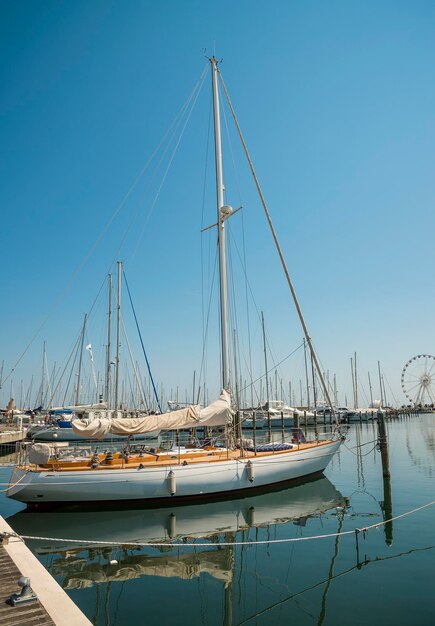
{"x": 27, "y": 614}
{"x": 206, "y": 455}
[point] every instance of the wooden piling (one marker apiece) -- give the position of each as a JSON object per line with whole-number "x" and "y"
{"x": 387, "y": 506}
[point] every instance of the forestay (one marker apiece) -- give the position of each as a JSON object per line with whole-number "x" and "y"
{"x": 216, "y": 414}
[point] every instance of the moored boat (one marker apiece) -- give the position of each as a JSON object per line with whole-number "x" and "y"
{"x": 223, "y": 465}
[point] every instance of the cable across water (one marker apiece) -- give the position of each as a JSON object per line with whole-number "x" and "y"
{"x": 207, "y": 544}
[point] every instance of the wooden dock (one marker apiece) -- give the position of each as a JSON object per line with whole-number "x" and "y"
{"x": 53, "y": 606}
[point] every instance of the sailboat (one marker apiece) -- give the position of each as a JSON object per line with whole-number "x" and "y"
{"x": 222, "y": 467}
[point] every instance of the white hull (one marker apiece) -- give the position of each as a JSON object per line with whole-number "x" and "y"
{"x": 196, "y": 480}
{"x": 277, "y": 422}
{"x": 359, "y": 415}
{"x": 248, "y": 423}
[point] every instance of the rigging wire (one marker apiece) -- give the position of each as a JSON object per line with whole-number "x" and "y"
{"x": 274, "y": 359}
{"x": 68, "y": 359}
{"x": 278, "y": 248}
{"x": 271, "y": 369}
{"x": 244, "y": 264}
{"x": 134, "y": 366}
{"x": 142, "y": 344}
{"x": 76, "y": 355}
{"x": 204, "y": 327}
{"x": 389, "y": 386}
{"x": 203, "y": 361}
{"x": 94, "y": 246}
{"x": 156, "y": 197}
{"x": 358, "y": 566}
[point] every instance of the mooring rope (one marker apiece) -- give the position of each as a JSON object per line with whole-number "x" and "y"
{"x": 207, "y": 544}
{"x": 12, "y": 486}
{"x": 351, "y": 450}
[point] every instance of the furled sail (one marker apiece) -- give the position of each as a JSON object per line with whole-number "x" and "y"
{"x": 216, "y": 414}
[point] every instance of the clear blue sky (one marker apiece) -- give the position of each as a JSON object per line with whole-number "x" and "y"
{"x": 336, "y": 100}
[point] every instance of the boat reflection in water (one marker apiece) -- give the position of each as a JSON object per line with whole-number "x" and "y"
{"x": 215, "y": 522}
{"x": 156, "y": 525}
{"x": 79, "y": 572}
{"x": 116, "y": 562}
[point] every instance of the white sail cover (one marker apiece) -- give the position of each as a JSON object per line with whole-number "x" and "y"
{"x": 216, "y": 414}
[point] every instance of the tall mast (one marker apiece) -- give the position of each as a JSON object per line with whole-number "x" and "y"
{"x": 221, "y": 216}
{"x": 306, "y": 375}
{"x": 53, "y": 378}
{"x": 30, "y": 393}
{"x": 314, "y": 381}
{"x": 353, "y": 382}
{"x": 118, "y": 335}
{"x": 48, "y": 383}
{"x": 356, "y": 385}
{"x": 238, "y": 421}
{"x": 76, "y": 400}
{"x": 43, "y": 374}
{"x": 109, "y": 332}
{"x": 371, "y": 391}
{"x": 265, "y": 362}
{"x": 385, "y": 394}
{"x": 380, "y": 384}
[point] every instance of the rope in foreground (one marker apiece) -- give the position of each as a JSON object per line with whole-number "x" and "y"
{"x": 355, "y": 531}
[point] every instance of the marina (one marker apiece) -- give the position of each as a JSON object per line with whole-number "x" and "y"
{"x": 292, "y": 553}
{"x": 217, "y": 376}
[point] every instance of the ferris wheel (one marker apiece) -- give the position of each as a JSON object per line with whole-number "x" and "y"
{"x": 418, "y": 379}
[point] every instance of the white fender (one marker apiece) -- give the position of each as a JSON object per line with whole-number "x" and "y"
{"x": 250, "y": 471}
{"x": 171, "y": 525}
{"x": 172, "y": 483}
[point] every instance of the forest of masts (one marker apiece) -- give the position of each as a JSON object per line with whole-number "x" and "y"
{"x": 136, "y": 391}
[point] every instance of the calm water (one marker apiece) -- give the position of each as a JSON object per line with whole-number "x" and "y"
{"x": 388, "y": 580}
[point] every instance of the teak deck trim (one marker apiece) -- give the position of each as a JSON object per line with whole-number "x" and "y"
{"x": 171, "y": 458}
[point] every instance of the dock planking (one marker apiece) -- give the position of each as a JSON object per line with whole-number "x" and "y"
{"x": 30, "y": 614}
